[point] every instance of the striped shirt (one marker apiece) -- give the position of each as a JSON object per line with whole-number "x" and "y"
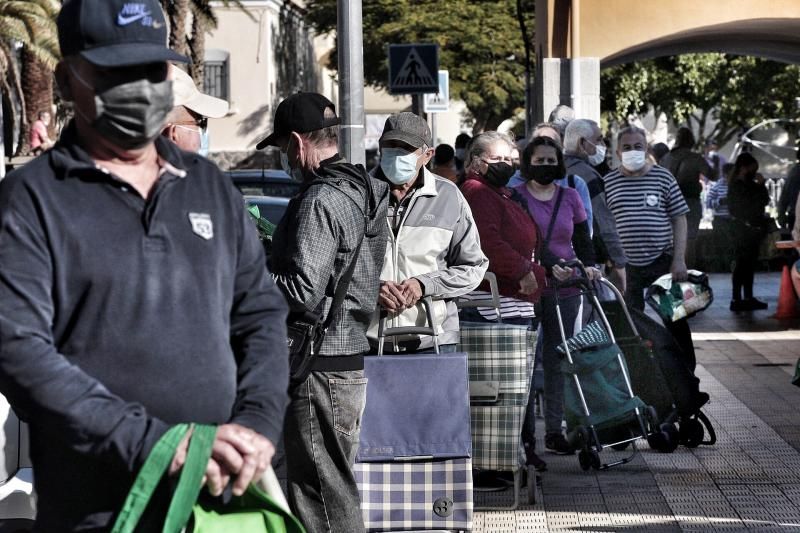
{"x": 717, "y": 198}
{"x": 509, "y": 307}
{"x": 644, "y": 207}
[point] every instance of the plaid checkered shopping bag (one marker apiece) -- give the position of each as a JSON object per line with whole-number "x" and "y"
{"x": 413, "y": 466}
{"x": 403, "y": 496}
{"x": 496, "y": 434}
{"x": 500, "y": 359}
{"x": 500, "y": 353}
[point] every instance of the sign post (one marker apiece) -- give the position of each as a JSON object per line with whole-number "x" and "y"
{"x": 438, "y": 102}
{"x": 351, "y": 81}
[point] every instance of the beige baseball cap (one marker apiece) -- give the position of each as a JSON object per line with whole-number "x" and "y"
{"x": 185, "y": 93}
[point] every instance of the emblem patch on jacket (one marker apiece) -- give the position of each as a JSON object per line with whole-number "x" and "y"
{"x": 202, "y": 225}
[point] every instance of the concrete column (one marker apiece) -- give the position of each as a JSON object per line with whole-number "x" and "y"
{"x": 554, "y": 80}
{"x": 585, "y": 87}
{"x": 575, "y": 83}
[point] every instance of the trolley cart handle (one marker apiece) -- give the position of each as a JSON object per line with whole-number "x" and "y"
{"x": 573, "y": 282}
{"x": 493, "y": 302}
{"x": 430, "y": 330}
{"x": 621, "y": 299}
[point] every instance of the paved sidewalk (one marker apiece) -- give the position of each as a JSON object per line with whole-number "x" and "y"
{"x": 748, "y": 481}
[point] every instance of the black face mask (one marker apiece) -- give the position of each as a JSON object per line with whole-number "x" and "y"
{"x": 544, "y": 174}
{"x": 499, "y": 173}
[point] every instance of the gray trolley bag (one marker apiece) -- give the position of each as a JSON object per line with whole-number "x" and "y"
{"x": 414, "y": 468}
{"x": 501, "y": 361}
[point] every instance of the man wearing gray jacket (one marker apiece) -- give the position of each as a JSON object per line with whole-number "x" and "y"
{"x": 583, "y": 149}
{"x": 337, "y": 218}
{"x": 433, "y": 247}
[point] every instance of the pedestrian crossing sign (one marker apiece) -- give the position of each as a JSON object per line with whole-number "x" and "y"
{"x": 439, "y": 102}
{"x": 413, "y": 68}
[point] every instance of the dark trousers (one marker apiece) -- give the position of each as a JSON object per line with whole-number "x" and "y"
{"x": 693, "y": 218}
{"x": 746, "y": 247}
{"x": 639, "y": 278}
{"x": 321, "y": 438}
{"x": 551, "y": 360}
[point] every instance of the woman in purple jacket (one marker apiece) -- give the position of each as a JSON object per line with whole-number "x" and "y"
{"x": 562, "y": 221}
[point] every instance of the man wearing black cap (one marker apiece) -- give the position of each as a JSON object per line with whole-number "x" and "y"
{"x": 339, "y": 211}
{"x": 434, "y": 248}
{"x": 133, "y": 293}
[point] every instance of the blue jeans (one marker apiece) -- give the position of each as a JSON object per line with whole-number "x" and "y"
{"x": 321, "y": 438}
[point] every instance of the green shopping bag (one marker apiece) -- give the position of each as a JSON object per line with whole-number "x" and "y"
{"x": 253, "y": 512}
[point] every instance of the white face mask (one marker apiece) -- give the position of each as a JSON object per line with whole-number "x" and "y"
{"x": 399, "y": 166}
{"x": 599, "y": 155}
{"x": 295, "y": 173}
{"x": 634, "y": 160}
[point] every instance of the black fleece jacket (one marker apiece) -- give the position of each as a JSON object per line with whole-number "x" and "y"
{"x": 120, "y": 316}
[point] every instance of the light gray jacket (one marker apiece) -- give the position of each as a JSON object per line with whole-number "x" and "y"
{"x": 438, "y": 244}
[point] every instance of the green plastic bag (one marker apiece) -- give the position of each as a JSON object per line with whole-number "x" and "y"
{"x": 253, "y": 512}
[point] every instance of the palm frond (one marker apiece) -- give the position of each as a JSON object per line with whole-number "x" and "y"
{"x": 203, "y": 11}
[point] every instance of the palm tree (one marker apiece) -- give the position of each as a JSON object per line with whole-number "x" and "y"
{"x": 28, "y": 27}
{"x": 203, "y": 20}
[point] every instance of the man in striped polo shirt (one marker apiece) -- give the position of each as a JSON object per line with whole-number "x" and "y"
{"x": 651, "y": 220}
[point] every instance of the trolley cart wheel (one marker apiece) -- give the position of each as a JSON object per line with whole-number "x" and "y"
{"x": 691, "y": 432}
{"x": 665, "y": 439}
{"x": 585, "y": 459}
{"x": 594, "y": 460}
{"x": 652, "y": 417}
{"x": 531, "y": 485}
{"x": 712, "y": 435}
{"x": 578, "y": 438}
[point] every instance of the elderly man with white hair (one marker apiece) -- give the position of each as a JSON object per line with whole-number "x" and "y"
{"x": 583, "y": 150}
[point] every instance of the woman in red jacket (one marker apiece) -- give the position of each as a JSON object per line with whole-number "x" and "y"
{"x": 509, "y": 238}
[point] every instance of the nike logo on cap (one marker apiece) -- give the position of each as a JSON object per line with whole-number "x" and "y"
{"x": 132, "y": 12}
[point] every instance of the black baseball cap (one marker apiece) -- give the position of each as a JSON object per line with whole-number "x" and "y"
{"x": 301, "y": 113}
{"x": 115, "y": 33}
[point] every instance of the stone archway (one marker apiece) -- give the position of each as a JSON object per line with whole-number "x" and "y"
{"x": 574, "y": 38}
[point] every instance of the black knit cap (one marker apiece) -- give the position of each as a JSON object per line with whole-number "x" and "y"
{"x": 300, "y": 113}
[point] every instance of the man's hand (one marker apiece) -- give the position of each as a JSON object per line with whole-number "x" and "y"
{"x": 237, "y": 451}
{"x": 412, "y": 290}
{"x": 617, "y": 277}
{"x": 528, "y": 284}
{"x": 678, "y": 270}
{"x": 391, "y": 296}
{"x": 561, "y": 273}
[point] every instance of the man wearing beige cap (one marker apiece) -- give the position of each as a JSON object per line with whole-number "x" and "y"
{"x": 187, "y": 124}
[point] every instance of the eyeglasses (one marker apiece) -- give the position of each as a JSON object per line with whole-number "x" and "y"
{"x": 201, "y": 123}
{"x": 497, "y": 159}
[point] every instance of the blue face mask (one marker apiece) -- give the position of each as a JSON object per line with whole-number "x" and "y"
{"x": 398, "y": 165}
{"x": 203, "y": 144}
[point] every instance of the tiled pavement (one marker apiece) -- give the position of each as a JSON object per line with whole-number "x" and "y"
{"x": 748, "y": 481}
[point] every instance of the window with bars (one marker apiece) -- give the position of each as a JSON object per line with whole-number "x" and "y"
{"x": 216, "y": 76}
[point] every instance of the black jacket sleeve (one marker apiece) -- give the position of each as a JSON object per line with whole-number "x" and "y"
{"x": 258, "y": 338}
{"x": 582, "y": 243}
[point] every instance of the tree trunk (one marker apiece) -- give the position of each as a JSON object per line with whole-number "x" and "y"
{"x": 178, "y": 14}
{"x": 197, "y": 51}
{"x": 37, "y": 90}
